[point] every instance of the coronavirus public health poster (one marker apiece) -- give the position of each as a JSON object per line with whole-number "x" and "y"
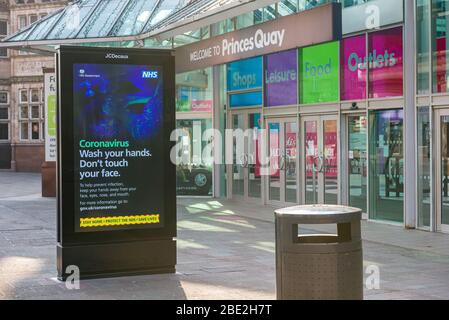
{"x": 118, "y": 141}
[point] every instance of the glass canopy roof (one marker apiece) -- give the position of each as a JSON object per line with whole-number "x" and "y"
{"x": 88, "y": 19}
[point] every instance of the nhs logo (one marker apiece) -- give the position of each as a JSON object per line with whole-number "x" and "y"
{"x": 150, "y": 74}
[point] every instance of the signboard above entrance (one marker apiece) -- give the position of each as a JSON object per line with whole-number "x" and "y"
{"x": 318, "y": 25}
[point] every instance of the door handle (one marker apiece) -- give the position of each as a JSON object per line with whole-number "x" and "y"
{"x": 244, "y": 161}
{"x": 282, "y": 162}
{"x": 318, "y": 167}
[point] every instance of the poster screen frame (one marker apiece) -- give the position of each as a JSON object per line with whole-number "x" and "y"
{"x": 66, "y": 58}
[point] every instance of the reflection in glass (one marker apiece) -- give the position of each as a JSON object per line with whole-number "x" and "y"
{"x": 238, "y": 179}
{"x": 357, "y": 158}
{"x": 330, "y": 162}
{"x": 440, "y": 9}
{"x": 311, "y": 161}
{"x": 424, "y": 199}
{"x": 444, "y": 170}
{"x": 254, "y": 179}
{"x": 422, "y": 45}
{"x": 193, "y": 173}
{"x": 194, "y": 91}
{"x": 291, "y": 132}
{"x": 386, "y": 165}
{"x": 274, "y": 144}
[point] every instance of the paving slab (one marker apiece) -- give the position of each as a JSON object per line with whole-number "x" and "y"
{"x": 225, "y": 251}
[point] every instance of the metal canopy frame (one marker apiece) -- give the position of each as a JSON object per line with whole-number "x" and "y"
{"x": 189, "y": 17}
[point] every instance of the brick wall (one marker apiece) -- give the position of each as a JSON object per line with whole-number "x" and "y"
{"x": 29, "y": 158}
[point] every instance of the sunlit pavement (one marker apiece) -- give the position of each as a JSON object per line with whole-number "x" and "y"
{"x": 225, "y": 251}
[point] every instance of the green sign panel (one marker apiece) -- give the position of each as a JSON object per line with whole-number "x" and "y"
{"x": 319, "y": 73}
{"x": 51, "y": 117}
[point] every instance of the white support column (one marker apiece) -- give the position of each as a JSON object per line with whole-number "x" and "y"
{"x": 217, "y": 114}
{"x": 410, "y": 180}
{"x": 216, "y": 124}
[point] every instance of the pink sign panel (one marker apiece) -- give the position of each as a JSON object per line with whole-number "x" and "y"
{"x": 353, "y": 68}
{"x": 386, "y": 63}
{"x": 202, "y": 105}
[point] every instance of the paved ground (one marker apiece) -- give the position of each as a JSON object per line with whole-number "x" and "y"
{"x": 224, "y": 252}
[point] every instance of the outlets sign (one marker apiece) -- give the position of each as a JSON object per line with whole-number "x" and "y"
{"x": 323, "y": 24}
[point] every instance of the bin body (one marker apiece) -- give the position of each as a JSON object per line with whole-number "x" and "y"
{"x": 319, "y": 267}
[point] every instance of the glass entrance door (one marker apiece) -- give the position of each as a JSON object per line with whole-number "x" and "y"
{"x": 442, "y": 171}
{"x": 283, "y": 170}
{"x": 357, "y": 161}
{"x": 320, "y": 165}
{"x": 246, "y": 181}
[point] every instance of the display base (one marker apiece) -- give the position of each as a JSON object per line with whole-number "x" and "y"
{"x": 118, "y": 259}
{"x": 49, "y": 179}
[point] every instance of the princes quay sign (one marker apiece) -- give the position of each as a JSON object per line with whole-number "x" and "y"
{"x": 318, "y": 25}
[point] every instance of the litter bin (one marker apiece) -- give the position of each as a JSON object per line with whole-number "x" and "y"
{"x": 319, "y": 266}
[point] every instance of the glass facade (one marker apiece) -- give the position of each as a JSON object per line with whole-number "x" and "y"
{"x": 194, "y": 168}
{"x": 386, "y": 161}
{"x": 444, "y": 169}
{"x": 194, "y": 91}
{"x": 357, "y": 161}
{"x": 422, "y": 47}
{"x": 367, "y": 67}
{"x": 424, "y": 172}
{"x": 439, "y": 46}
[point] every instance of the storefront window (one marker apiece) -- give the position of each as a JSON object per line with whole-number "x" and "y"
{"x": 193, "y": 172}
{"x": 440, "y": 58}
{"x": 319, "y": 73}
{"x": 386, "y": 165}
{"x": 357, "y": 157}
{"x": 194, "y": 91}
{"x": 386, "y": 64}
{"x": 422, "y": 46}
{"x": 423, "y": 144}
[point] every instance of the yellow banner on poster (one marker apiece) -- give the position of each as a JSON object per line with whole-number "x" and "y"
{"x": 119, "y": 221}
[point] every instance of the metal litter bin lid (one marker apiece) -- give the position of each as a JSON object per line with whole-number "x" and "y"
{"x": 320, "y": 213}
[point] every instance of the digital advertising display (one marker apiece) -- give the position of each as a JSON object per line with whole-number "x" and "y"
{"x": 116, "y": 183}
{"x": 118, "y": 146}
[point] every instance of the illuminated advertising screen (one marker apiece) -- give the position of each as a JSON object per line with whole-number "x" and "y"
{"x": 118, "y": 143}
{"x": 116, "y": 191}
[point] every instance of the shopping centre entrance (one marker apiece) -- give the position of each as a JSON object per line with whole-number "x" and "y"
{"x": 442, "y": 170}
{"x": 320, "y": 167}
{"x": 244, "y": 176}
{"x": 282, "y": 145}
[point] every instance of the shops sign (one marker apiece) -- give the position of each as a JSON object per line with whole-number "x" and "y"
{"x": 321, "y": 24}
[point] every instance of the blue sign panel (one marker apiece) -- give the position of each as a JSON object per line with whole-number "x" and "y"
{"x": 246, "y": 99}
{"x": 245, "y": 74}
